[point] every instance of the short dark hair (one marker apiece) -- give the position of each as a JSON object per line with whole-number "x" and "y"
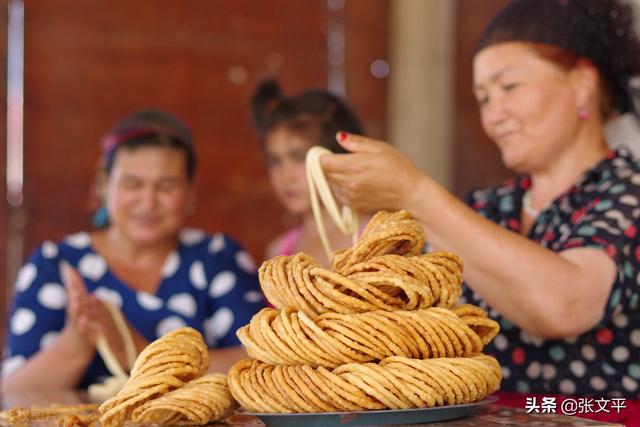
{"x": 149, "y": 127}
{"x": 316, "y": 114}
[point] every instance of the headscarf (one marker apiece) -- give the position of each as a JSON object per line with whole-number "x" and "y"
{"x": 600, "y": 30}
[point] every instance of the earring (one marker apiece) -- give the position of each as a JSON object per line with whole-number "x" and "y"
{"x": 583, "y": 113}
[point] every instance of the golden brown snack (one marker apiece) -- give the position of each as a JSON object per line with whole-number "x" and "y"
{"x": 381, "y": 330}
{"x": 396, "y": 383}
{"x": 79, "y": 420}
{"x": 170, "y": 369}
{"x": 290, "y": 337}
{"x": 198, "y": 402}
{"x": 386, "y": 233}
{"x": 385, "y": 282}
{"x": 35, "y": 414}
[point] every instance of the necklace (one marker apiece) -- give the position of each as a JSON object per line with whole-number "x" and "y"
{"x": 528, "y": 206}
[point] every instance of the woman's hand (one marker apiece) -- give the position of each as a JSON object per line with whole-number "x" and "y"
{"x": 81, "y": 325}
{"x": 62, "y": 364}
{"x": 88, "y": 317}
{"x": 373, "y": 176}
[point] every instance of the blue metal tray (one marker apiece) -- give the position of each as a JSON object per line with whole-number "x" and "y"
{"x": 362, "y": 418}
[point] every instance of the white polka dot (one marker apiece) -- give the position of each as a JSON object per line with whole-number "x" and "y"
{"x": 635, "y": 179}
{"x": 222, "y": 284}
{"x": 493, "y": 313}
{"x": 26, "y": 276}
{"x": 217, "y": 243}
{"x": 629, "y": 384}
{"x": 597, "y": 383}
{"x": 22, "y": 321}
{"x": 49, "y": 249}
{"x": 506, "y": 372}
{"x": 191, "y": 236}
{"x": 197, "y": 275}
{"x": 169, "y": 324}
{"x": 219, "y": 324}
{"x": 635, "y": 337}
{"x": 615, "y": 214}
{"x": 244, "y": 260}
{"x": 588, "y": 352}
{"x": 567, "y": 387}
{"x": 48, "y": 339}
{"x": 629, "y": 199}
{"x": 148, "y": 301}
{"x": 109, "y": 295}
{"x": 253, "y": 297}
{"x": 92, "y": 266}
{"x": 578, "y": 368}
{"x": 78, "y": 240}
{"x": 529, "y": 338}
{"x": 52, "y": 296}
{"x": 620, "y": 320}
{"x": 620, "y": 354}
{"x": 183, "y": 304}
{"x": 11, "y": 365}
{"x": 171, "y": 265}
{"x": 548, "y": 371}
{"x": 500, "y": 342}
{"x": 534, "y": 370}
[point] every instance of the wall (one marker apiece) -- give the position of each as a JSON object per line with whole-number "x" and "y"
{"x": 3, "y": 204}
{"x": 476, "y": 159}
{"x": 88, "y": 63}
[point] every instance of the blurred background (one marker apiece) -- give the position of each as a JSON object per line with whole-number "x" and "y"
{"x": 72, "y": 68}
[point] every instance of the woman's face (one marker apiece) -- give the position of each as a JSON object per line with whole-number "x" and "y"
{"x": 285, "y": 153}
{"x": 527, "y": 104}
{"x": 147, "y": 193}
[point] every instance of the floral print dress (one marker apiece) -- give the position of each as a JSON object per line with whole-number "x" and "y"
{"x": 601, "y": 211}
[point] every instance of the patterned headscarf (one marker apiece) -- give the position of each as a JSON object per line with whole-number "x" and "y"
{"x": 147, "y": 124}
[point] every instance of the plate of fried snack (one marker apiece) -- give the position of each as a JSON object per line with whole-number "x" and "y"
{"x": 377, "y": 339}
{"x": 381, "y": 417}
{"x": 168, "y": 385}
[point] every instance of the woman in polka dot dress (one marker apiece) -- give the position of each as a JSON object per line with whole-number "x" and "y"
{"x": 160, "y": 275}
{"x": 554, "y": 254}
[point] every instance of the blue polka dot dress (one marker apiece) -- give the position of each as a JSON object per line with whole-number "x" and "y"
{"x": 208, "y": 283}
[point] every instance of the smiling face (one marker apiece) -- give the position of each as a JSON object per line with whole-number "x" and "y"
{"x": 147, "y": 193}
{"x": 285, "y": 152}
{"x": 528, "y": 105}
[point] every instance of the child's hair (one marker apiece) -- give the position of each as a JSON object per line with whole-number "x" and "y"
{"x": 316, "y": 114}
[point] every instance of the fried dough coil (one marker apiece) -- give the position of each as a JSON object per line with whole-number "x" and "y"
{"x": 386, "y": 233}
{"x": 170, "y": 370}
{"x": 385, "y": 282}
{"x": 290, "y": 337}
{"x": 381, "y": 330}
{"x": 396, "y": 383}
{"x": 197, "y": 402}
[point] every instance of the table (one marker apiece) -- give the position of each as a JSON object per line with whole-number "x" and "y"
{"x": 486, "y": 416}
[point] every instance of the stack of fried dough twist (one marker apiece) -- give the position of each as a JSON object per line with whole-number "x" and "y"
{"x": 380, "y": 330}
{"x": 168, "y": 385}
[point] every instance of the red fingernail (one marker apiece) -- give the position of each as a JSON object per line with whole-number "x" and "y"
{"x": 342, "y": 136}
